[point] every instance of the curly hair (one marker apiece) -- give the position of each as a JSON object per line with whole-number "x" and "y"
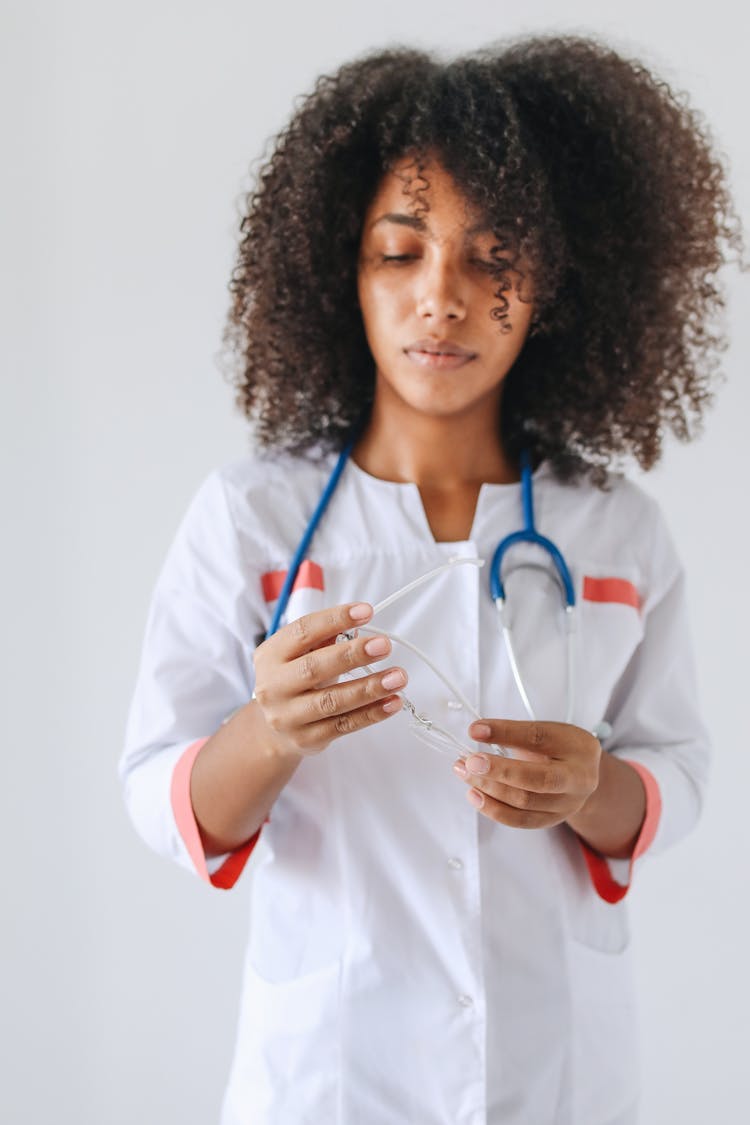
{"x": 582, "y": 162}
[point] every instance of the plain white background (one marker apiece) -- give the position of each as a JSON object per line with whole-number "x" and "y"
{"x": 129, "y": 131}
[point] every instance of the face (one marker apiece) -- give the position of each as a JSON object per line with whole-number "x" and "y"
{"x": 426, "y": 295}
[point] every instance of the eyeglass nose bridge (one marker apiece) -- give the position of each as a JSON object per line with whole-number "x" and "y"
{"x": 425, "y": 723}
{"x": 430, "y": 733}
{"x": 422, "y": 722}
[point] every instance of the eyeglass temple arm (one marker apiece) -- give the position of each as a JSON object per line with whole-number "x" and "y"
{"x": 429, "y": 723}
{"x": 369, "y": 671}
{"x": 449, "y": 565}
{"x": 422, "y": 656}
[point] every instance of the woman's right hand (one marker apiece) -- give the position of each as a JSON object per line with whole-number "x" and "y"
{"x": 296, "y": 674}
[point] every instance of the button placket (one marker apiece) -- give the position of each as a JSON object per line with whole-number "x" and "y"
{"x": 476, "y": 590}
{"x": 462, "y": 861}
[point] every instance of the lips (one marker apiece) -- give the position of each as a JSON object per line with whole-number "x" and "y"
{"x": 439, "y": 361}
{"x": 431, "y": 346}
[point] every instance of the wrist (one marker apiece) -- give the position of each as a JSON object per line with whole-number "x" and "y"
{"x": 281, "y": 754}
{"x": 275, "y": 747}
{"x": 610, "y": 820}
{"x": 581, "y": 820}
{"x": 586, "y": 817}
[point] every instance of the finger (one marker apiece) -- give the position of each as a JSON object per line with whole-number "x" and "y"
{"x": 524, "y": 799}
{"x": 338, "y": 699}
{"x": 310, "y": 631}
{"x": 537, "y": 777}
{"x": 323, "y": 665}
{"x": 509, "y": 814}
{"x": 325, "y": 731}
{"x": 555, "y": 740}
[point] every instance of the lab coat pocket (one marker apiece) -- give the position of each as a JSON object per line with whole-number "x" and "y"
{"x": 601, "y": 926}
{"x": 295, "y": 1007}
{"x": 299, "y": 922}
{"x": 308, "y": 593}
{"x": 604, "y": 1037}
{"x": 610, "y": 628}
{"x": 304, "y": 601}
{"x": 286, "y": 1060}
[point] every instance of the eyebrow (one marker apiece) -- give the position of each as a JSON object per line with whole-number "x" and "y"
{"x": 420, "y": 225}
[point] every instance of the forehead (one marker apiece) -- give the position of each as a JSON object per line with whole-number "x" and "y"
{"x": 422, "y": 199}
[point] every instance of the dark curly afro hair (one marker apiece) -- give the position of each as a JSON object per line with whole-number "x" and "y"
{"x": 583, "y": 163}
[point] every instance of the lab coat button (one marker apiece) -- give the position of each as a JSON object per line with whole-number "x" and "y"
{"x": 465, "y": 1001}
{"x": 455, "y": 705}
{"x": 455, "y": 863}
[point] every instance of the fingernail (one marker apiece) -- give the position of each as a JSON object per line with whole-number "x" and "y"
{"x": 459, "y": 768}
{"x": 476, "y": 798}
{"x": 360, "y": 612}
{"x": 392, "y": 706}
{"x": 377, "y": 646}
{"x": 480, "y": 730}
{"x": 393, "y": 680}
{"x": 477, "y": 763}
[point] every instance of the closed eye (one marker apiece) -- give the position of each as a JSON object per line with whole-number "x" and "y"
{"x": 479, "y": 262}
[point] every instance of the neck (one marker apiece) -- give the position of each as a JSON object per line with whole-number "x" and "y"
{"x": 441, "y": 453}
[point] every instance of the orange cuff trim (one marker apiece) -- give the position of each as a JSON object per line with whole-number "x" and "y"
{"x": 229, "y": 872}
{"x": 309, "y": 576}
{"x": 601, "y": 876}
{"x": 611, "y": 590}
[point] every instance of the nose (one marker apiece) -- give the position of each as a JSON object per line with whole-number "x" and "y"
{"x": 439, "y": 294}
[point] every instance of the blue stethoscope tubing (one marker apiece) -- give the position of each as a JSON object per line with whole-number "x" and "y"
{"x": 528, "y": 534}
{"x": 304, "y": 542}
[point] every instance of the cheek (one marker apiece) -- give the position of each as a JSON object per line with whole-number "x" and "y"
{"x": 380, "y": 304}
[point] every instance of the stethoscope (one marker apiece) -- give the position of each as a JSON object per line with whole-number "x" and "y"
{"x": 527, "y": 534}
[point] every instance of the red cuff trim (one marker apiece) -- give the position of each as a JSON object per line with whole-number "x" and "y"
{"x": 653, "y": 809}
{"x": 229, "y": 872}
{"x": 611, "y": 590}
{"x": 601, "y": 876}
{"x": 309, "y": 576}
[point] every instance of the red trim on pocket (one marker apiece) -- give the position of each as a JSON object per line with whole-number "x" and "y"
{"x": 611, "y": 590}
{"x": 309, "y": 577}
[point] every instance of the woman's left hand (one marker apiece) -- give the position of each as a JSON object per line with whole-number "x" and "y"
{"x": 554, "y": 771}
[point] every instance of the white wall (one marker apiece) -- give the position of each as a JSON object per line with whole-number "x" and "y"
{"x": 128, "y": 132}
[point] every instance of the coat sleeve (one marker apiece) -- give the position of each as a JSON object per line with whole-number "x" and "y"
{"x": 655, "y": 716}
{"x": 195, "y": 669}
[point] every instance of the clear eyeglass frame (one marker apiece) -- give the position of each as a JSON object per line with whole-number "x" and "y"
{"x": 427, "y": 730}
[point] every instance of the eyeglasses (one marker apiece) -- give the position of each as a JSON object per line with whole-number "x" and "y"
{"x": 425, "y": 729}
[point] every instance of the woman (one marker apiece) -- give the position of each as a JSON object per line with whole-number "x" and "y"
{"x": 450, "y": 271}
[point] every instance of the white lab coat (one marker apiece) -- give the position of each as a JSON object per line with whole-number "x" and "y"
{"x": 409, "y": 960}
